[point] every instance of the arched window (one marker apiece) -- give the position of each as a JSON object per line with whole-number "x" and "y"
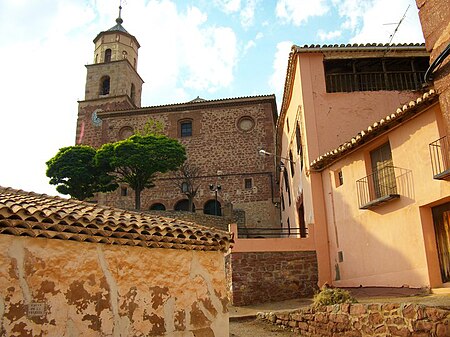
{"x": 183, "y": 205}
{"x": 96, "y": 58}
{"x": 212, "y": 207}
{"x": 134, "y": 63}
{"x": 108, "y": 55}
{"x": 132, "y": 92}
{"x": 104, "y": 85}
{"x": 158, "y": 207}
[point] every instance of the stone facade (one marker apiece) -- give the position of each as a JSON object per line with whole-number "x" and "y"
{"x": 364, "y": 320}
{"x": 226, "y": 137}
{"x": 270, "y": 276}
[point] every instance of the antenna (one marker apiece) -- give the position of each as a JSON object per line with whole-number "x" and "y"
{"x": 391, "y": 37}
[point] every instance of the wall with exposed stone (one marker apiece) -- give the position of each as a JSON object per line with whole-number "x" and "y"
{"x": 66, "y": 288}
{"x": 364, "y": 320}
{"x": 217, "y": 144}
{"x": 271, "y": 276}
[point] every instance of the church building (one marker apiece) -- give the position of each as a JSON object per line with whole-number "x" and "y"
{"x": 222, "y": 137}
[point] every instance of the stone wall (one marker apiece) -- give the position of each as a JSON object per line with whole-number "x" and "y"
{"x": 364, "y": 320}
{"x": 217, "y": 144}
{"x": 67, "y": 288}
{"x": 271, "y": 276}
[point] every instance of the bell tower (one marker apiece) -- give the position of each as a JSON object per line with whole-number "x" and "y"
{"x": 112, "y": 81}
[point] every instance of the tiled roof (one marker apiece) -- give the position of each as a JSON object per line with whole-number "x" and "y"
{"x": 358, "y": 47}
{"x": 400, "y": 115}
{"x": 194, "y": 104}
{"x": 39, "y": 215}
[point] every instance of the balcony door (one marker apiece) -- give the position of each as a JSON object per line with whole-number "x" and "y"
{"x": 441, "y": 220}
{"x": 383, "y": 171}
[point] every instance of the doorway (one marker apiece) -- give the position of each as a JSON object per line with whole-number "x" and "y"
{"x": 441, "y": 220}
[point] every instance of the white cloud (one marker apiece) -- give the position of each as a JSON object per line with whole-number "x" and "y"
{"x": 280, "y": 63}
{"x": 248, "y": 13}
{"x": 326, "y": 36}
{"x": 378, "y": 23}
{"x": 352, "y": 11}
{"x": 298, "y": 12}
{"x": 228, "y": 6}
{"x": 45, "y": 76}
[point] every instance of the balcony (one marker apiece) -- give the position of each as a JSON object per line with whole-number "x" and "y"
{"x": 440, "y": 158}
{"x": 373, "y": 81}
{"x": 383, "y": 186}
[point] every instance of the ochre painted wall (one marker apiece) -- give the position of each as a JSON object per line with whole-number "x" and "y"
{"x": 102, "y": 290}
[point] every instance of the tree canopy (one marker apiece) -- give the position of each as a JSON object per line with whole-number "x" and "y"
{"x": 74, "y": 172}
{"x": 136, "y": 160}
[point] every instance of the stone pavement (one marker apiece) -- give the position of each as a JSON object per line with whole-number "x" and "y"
{"x": 363, "y": 295}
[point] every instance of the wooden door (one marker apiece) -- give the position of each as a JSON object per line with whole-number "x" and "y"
{"x": 383, "y": 171}
{"x": 441, "y": 219}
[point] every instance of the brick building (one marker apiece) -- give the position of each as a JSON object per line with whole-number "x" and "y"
{"x": 222, "y": 137}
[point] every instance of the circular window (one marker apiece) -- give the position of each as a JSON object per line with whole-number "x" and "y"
{"x": 246, "y": 123}
{"x": 125, "y": 132}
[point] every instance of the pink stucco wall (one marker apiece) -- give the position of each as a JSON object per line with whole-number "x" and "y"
{"x": 326, "y": 120}
{"x": 387, "y": 245}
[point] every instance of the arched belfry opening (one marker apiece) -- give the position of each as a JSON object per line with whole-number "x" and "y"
{"x": 108, "y": 55}
{"x": 105, "y": 85}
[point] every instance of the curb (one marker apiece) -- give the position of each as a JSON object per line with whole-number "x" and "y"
{"x": 242, "y": 318}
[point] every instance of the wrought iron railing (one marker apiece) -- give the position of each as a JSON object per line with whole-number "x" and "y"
{"x": 383, "y": 185}
{"x": 254, "y": 232}
{"x": 372, "y": 81}
{"x": 440, "y": 158}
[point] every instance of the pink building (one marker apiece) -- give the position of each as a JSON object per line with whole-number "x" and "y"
{"x": 331, "y": 94}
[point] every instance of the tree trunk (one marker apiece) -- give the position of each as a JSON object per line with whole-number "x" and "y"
{"x": 190, "y": 203}
{"x": 137, "y": 199}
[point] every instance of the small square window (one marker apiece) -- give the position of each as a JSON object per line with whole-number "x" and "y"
{"x": 124, "y": 191}
{"x": 248, "y": 183}
{"x": 339, "y": 178}
{"x": 186, "y": 129}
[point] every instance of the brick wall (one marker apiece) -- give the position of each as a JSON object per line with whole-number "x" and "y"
{"x": 271, "y": 276}
{"x": 364, "y": 320}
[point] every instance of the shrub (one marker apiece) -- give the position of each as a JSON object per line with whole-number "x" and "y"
{"x": 330, "y": 296}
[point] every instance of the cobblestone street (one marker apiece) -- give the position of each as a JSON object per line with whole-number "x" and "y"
{"x": 257, "y": 328}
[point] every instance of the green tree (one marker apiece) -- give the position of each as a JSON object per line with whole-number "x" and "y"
{"x": 75, "y": 172}
{"x": 136, "y": 160}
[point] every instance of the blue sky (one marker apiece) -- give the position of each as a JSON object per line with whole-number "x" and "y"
{"x": 208, "y": 48}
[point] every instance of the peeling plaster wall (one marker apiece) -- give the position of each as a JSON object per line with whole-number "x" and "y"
{"x": 87, "y": 289}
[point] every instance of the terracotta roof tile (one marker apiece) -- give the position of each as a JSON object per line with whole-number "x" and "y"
{"x": 39, "y": 215}
{"x": 403, "y": 112}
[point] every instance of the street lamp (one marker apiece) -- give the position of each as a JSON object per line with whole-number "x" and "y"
{"x": 269, "y": 154}
{"x": 215, "y": 188}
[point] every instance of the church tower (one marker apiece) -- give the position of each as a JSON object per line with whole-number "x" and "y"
{"x": 112, "y": 81}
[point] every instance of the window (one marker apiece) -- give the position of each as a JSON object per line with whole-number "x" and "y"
{"x": 248, "y": 183}
{"x": 186, "y": 129}
{"x": 108, "y": 55}
{"x": 291, "y": 161}
{"x": 338, "y": 178}
{"x": 286, "y": 185}
{"x": 96, "y": 58}
{"x": 212, "y": 207}
{"x": 123, "y": 191}
{"x": 183, "y": 205}
{"x": 301, "y": 221}
{"x": 104, "y": 85}
{"x": 132, "y": 92}
{"x": 184, "y": 187}
{"x": 246, "y": 123}
{"x": 299, "y": 145}
{"x": 158, "y": 207}
{"x": 287, "y": 124}
{"x": 383, "y": 171}
{"x": 283, "y": 207}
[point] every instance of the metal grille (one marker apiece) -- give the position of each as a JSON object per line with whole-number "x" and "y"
{"x": 440, "y": 158}
{"x": 253, "y": 232}
{"x": 373, "y": 81}
{"x": 383, "y": 185}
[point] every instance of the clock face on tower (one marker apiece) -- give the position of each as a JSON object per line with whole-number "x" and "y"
{"x": 95, "y": 119}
